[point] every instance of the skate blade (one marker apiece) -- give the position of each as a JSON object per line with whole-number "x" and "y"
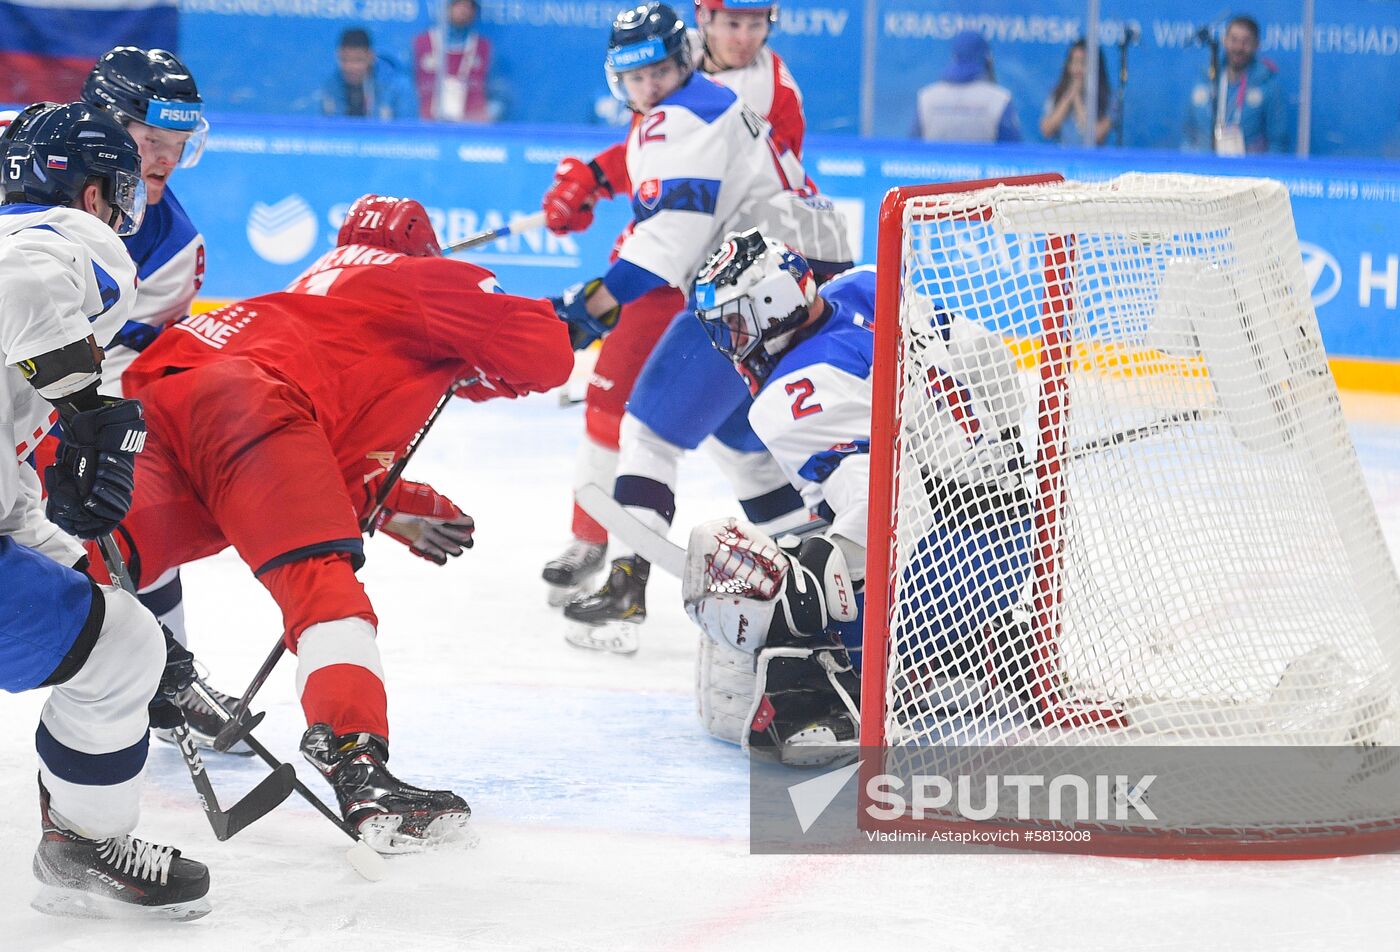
{"x": 76, "y": 904}
{"x": 615, "y": 637}
{"x": 203, "y": 741}
{"x": 383, "y": 833}
{"x": 817, "y": 747}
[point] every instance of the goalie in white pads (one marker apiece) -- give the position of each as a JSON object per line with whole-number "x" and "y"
{"x": 777, "y": 673}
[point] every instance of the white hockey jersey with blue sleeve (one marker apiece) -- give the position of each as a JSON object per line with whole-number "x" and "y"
{"x": 813, "y": 413}
{"x": 64, "y": 275}
{"x": 169, "y": 255}
{"x": 700, "y": 162}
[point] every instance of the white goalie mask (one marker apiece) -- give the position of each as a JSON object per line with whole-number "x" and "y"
{"x": 752, "y": 296}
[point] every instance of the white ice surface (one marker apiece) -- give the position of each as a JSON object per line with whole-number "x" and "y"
{"x": 607, "y": 820}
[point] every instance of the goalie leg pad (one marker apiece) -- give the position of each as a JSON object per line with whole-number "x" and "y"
{"x": 724, "y": 690}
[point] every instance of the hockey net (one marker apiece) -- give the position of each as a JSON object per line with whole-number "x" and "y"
{"x": 1152, "y": 527}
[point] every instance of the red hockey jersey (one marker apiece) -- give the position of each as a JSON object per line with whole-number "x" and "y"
{"x": 373, "y": 339}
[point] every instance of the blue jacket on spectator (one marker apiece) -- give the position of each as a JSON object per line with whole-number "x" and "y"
{"x": 1257, "y": 104}
{"x": 387, "y": 90}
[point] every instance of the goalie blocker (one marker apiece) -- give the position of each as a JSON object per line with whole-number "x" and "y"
{"x": 773, "y": 676}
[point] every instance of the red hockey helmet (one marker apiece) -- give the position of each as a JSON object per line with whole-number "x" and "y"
{"x": 742, "y": 6}
{"x": 394, "y": 224}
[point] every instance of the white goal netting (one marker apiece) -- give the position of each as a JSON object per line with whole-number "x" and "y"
{"x": 1126, "y": 506}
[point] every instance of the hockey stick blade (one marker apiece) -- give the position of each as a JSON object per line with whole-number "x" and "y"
{"x": 235, "y": 730}
{"x": 262, "y": 798}
{"x": 256, "y": 804}
{"x": 652, "y": 546}
{"x": 527, "y": 223}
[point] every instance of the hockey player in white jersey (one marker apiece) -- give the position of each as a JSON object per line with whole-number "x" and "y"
{"x": 729, "y": 47}
{"x": 152, "y": 94}
{"x": 71, "y": 183}
{"x": 155, "y": 98}
{"x": 778, "y": 670}
{"x": 702, "y": 162}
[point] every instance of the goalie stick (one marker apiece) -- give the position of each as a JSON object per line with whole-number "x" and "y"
{"x": 649, "y": 544}
{"x": 257, "y": 803}
{"x": 528, "y": 223}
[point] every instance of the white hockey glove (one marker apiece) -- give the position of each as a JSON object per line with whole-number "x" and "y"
{"x": 427, "y": 522}
{"x": 742, "y": 588}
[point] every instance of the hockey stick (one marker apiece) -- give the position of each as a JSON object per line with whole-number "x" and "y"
{"x": 650, "y": 545}
{"x": 645, "y": 541}
{"x": 229, "y": 734}
{"x": 257, "y": 803}
{"x": 528, "y": 223}
{"x": 366, "y": 861}
{"x": 1133, "y": 434}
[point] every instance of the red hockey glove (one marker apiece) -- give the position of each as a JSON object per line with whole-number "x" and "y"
{"x": 428, "y": 523}
{"x": 568, "y": 205}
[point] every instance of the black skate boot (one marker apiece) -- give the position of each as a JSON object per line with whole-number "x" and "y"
{"x": 122, "y": 877}
{"x": 608, "y": 619}
{"x": 802, "y": 720}
{"x": 573, "y": 570}
{"x": 390, "y": 815}
{"x": 203, "y": 721}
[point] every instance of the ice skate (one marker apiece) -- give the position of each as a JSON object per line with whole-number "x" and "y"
{"x": 118, "y": 878}
{"x": 609, "y": 619}
{"x": 570, "y": 573}
{"x": 390, "y": 815}
{"x": 203, "y": 721}
{"x": 804, "y": 730}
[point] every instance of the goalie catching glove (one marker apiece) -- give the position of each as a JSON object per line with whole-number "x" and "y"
{"x": 744, "y": 589}
{"x": 427, "y": 522}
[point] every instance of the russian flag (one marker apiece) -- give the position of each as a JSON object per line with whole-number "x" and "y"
{"x": 47, "y": 47}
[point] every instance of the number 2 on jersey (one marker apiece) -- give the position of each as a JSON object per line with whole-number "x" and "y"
{"x": 801, "y": 391}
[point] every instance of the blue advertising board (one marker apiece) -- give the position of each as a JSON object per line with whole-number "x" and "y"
{"x": 269, "y": 196}
{"x": 548, "y": 57}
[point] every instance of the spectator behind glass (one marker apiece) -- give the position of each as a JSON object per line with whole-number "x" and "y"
{"x": 1066, "y": 111}
{"x": 967, "y": 105}
{"x": 460, "y": 94}
{"x": 1253, "y": 113}
{"x": 364, "y": 84}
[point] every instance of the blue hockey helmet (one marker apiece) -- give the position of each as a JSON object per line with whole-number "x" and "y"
{"x": 51, "y": 152}
{"x": 752, "y": 296}
{"x": 152, "y": 87}
{"x": 644, "y": 36}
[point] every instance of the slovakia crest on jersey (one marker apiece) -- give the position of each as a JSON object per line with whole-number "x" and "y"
{"x": 649, "y": 192}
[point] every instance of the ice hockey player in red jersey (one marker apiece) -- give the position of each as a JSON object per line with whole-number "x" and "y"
{"x": 272, "y": 424}
{"x": 731, "y": 48}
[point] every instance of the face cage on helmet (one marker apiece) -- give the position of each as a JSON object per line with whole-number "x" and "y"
{"x": 127, "y": 196}
{"x": 732, "y": 327}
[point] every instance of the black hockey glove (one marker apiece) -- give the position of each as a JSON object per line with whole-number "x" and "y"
{"x": 91, "y": 482}
{"x": 572, "y": 308}
{"x": 179, "y": 674}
